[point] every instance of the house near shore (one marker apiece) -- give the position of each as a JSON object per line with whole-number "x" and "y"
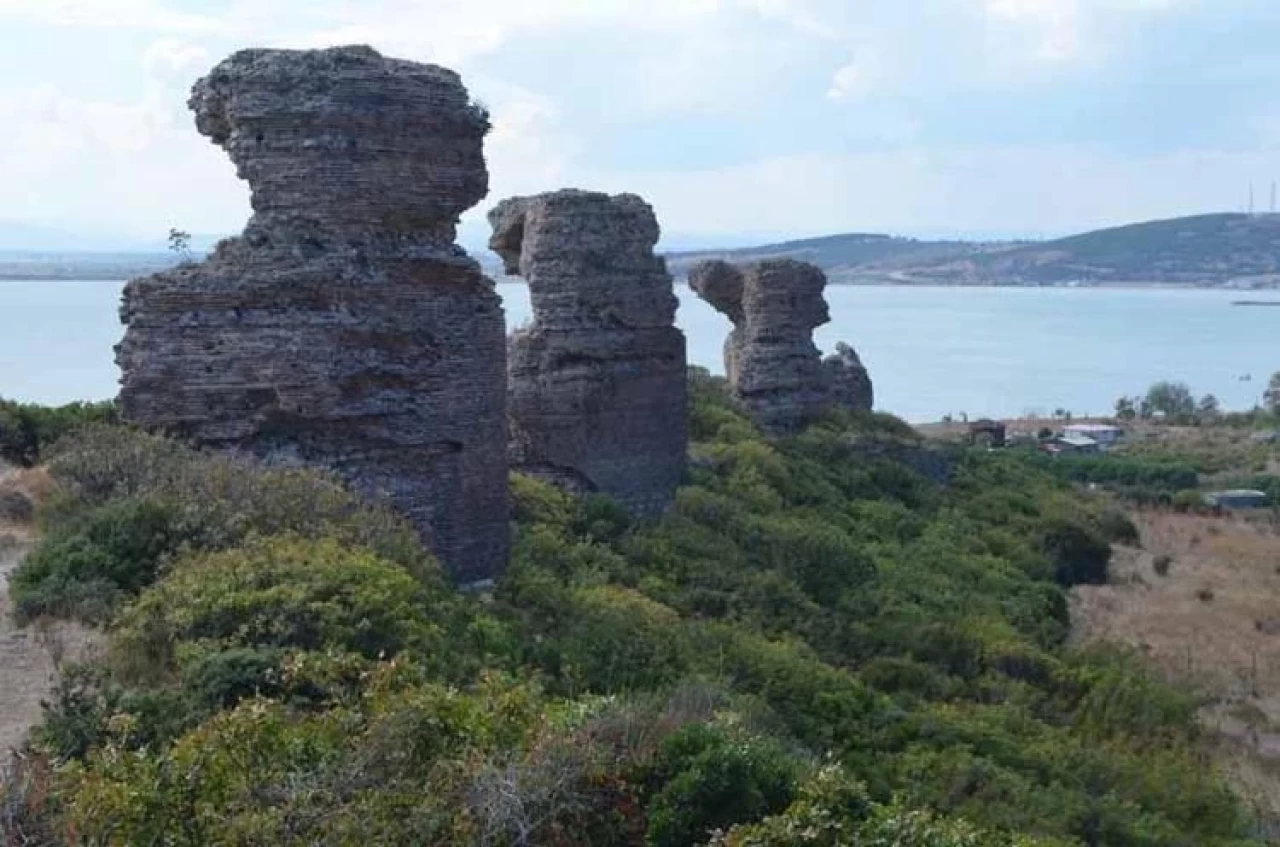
{"x": 1238, "y": 499}
{"x": 1105, "y": 436}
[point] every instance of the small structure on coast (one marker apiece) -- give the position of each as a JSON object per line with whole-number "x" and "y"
{"x": 775, "y": 373}
{"x": 988, "y": 433}
{"x": 1104, "y": 435}
{"x": 1238, "y": 499}
{"x": 597, "y": 381}
{"x": 344, "y": 328}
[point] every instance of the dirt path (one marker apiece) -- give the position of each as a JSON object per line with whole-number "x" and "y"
{"x": 27, "y": 655}
{"x": 26, "y": 667}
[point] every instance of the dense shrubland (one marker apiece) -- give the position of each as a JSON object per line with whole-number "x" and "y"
{"x": 818, "y": 645}
{"x": 26, "y": 429}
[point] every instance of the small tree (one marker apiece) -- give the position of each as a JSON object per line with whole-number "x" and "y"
{"x": 1271, "y": 397}
{"x": 1172, "y": 400}
{"x": 1208, "y": 408}
{"x": 1126, "y": 408}
{"x": 180, "y": 244}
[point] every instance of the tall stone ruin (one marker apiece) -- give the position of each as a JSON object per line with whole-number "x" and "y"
{"x": 597, "y": 382}
{"x": 776, "y": 374}
{"x": 344, "y": 328}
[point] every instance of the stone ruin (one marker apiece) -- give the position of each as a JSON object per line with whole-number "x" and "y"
{"x": 597, "y": 383}
{"x": 344, "y": 328}
{"x": 775, "y": 373}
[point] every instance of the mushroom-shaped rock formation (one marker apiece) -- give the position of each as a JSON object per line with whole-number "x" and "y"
{"x": 775, "y": 372}
{"x": 597, "y": 382}
{"x": 344, "y": 329}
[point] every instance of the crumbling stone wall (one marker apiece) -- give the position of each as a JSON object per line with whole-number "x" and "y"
{"x": 774, "y": 370}
{"x": 597, "y": 382}
{"x": 344, "y": 328}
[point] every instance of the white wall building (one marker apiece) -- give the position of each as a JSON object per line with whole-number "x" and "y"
{"x": 1105, "y": 434}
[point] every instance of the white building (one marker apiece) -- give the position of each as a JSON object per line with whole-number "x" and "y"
{"x": 1105, "y": 434}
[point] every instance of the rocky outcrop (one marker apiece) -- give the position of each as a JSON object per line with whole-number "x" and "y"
{"x": 344, "y": 328}
{"x": 848, "y": 380}
{"x": 597, "y": 382}
{"x": 774, "y": 370}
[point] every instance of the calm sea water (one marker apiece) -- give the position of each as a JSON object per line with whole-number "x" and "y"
{"x": 931, "y": 351}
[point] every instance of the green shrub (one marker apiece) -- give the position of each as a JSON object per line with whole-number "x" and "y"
{"x": 711, "y": 780}
{"x": 286, "y": 593}
{"x": 1080, "y": 556}
{"x": 224, "y": 498}
{"x": 28, "y": 430}
{"x": 83, "y": 566}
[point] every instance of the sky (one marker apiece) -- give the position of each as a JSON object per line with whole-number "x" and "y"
{"x": 737, "y": 119}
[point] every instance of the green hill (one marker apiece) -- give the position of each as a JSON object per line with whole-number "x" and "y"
{"x": 1208, "y": 250}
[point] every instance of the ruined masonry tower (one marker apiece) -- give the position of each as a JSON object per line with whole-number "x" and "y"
{"x": 597, "y": 382}
{"x": 344, "y": 329}
{"x": 776, "y": 374}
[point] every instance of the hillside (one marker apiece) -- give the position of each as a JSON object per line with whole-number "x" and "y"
{"x": 843, "y": 637}
{"x": 850, "y": 258}
{"x": 1206, "y": 250}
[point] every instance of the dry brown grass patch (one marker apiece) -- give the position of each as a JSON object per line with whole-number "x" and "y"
{"x": 1212, "y": 622}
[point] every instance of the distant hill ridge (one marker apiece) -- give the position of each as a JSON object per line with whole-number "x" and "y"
{"x": 1236, "y": 250}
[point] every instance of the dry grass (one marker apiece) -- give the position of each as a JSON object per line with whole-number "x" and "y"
{"x": 1212, "y": 623}
{"x": 32, "y": 484}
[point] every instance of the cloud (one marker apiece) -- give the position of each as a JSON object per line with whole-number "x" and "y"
{"x": 1060, "y": 189}
{"x": 781, "y": 115}
{"x": 174, "y": 56}
{"x": 1047, "y": 30}
{"x": 852, "y": 80}
{"x": 116, "y": 14}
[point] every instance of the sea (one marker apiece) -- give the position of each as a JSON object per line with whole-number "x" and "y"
{"x": 931, "y": 352}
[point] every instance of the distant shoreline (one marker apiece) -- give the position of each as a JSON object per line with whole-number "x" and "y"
{"x": 1129, "y": 285}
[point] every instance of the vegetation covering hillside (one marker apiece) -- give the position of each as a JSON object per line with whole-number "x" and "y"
{"x": 1200, "y": 250}
{"x": 835, "y": 639}
{"x": 840, "y": 256}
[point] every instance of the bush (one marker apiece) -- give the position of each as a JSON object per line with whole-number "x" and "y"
{"x": 27, "y": 430}
{"x": 125, "y": 502}
{"x": 713, "y": 781}
{"x": 285, "y": 593}
{"x": 82, "y": 567}
{"x": 1080, "y": 556}
{"x": 16, "y": 506}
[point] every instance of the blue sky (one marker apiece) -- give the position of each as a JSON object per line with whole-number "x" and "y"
{"x": 734, "y": 117}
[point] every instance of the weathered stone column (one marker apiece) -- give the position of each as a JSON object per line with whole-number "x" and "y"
{"x": 597, "y": 382}
{"x": 774, "y": 370}
{"x": 345, "y": 328}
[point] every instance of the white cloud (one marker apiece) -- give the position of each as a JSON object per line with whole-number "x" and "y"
{"x": 529, "y": 149}
{"x": 133, "y": 156}
{"x": 131, "y": 14}
{"x": 1048, "y": 30}
{"x": 173, "y": 55}
{"x": 853, "y": 79}
{"x": 990, "y": 188}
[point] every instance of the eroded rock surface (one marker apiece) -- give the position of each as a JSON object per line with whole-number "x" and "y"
{"x": 344, "y": 328}
{"x": 775, "y": 371}
{"x": 597, "y": 382}
{"x": 848, "y": 380}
